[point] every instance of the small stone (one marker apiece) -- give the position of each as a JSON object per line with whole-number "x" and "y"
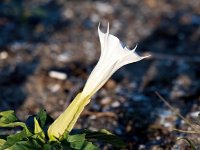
{"x": 142, "y": 147}
{"x": 104, "y": 8}
{"x": 115, "y": 104}
{"x": 55, "y": 88}
{"x": 168, "y": 125}
{"x": 68, "y": 14}
{"x": 176, "y": 94}
{"x": 63, "y": 57}
{"x": 106, "y": 101}
{"x": 128, "y": 128}
{"x": 195, "y": 114}
{"x": 3, "y": 55}
{"x": 92, "y": 117}
{"x": 184, "y": 81}
{"x": 158, "y": 137}
{"x": 57, "y": 75}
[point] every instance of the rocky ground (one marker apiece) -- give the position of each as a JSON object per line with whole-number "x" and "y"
{"x": 48, "y": 48}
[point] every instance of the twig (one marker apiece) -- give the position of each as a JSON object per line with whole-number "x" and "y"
{"x": 183, "y": 131}
{"x": 178, "y": 114}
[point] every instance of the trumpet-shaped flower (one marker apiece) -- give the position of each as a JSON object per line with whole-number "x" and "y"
{"x": 113, "y": 56}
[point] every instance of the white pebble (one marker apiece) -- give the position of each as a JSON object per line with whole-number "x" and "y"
{"x": 115, "y": 104}
{"x": 194, "y": 114}
{"x": 63, "y": 57}
{"x": 104, "y": 8}
{"x": 55, "y": 88}
{"x": 3, "y": 55}
{"x": 106, "y": 100}
{"x": 92, "y": 117}
{"x": 57, "y": 75}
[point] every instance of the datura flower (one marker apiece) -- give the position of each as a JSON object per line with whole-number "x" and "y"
{"x": 113, "y": 56}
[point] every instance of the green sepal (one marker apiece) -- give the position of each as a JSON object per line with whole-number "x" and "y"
{"x": 38, "y": 131}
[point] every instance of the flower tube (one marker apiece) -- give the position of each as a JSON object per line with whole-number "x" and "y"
{"x": 113, "y": 56}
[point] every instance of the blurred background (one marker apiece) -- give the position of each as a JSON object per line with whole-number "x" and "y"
{"x": 48, "y": 48}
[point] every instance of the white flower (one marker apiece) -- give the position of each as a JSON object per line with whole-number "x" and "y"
{"x": 114, "y": 55}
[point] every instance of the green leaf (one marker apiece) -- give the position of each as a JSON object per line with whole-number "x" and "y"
{"x": 77, "y": 145}
{"x": 47, "y": 147}
{"x": 89, "y": 146}
{"x": 76, "y": 137}
{"x": 2, "y": 141}
{"x": 16, "y": 124}
{"x": 27, "y": 145}
{"x": 53, "y": 146}
{"x": 42, "y": 117}
{"x": 104, "y": 136}
{"x": 12, "y": 139}
{"x": 76, "y": 141}
{"x": 66, "y": 147}
{"x": 7, "y": 117}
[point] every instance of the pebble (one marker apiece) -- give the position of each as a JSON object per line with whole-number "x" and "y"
{"x": 55, "y": 88}
{"x": 3, "y": 55}
{"x": 57, "y": 75}
{"x": 106, "y": 101}
{"x": 68, "y": 14}
{"x": 104, "y": 8}
{"x": 115, "y": 104}
{"x": 168, "y": 125}
{"x": 64, "y": 57}
{"x": 128, "y": 128}
{"x": 92, "y": 117}
{"x": 184, "y": 81}
{"x": 141, "y": 147}
{"x": 195, "y": 114}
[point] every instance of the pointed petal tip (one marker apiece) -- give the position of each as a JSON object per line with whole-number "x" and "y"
{"x": 108, "y": 29}
{"x": 146, "y": 55}
{"x": 134, "y": 48}
{"x": 99, "y": 26}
